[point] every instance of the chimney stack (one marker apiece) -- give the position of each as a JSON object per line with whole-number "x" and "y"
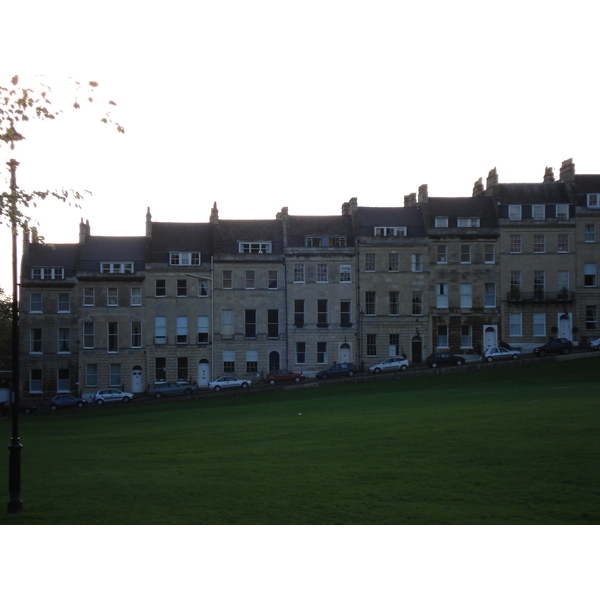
{"x": 214, "y": 215}
{"x": 567, "y": 170}
{"x": 84, "y": 231}
{"x": 148, "y": 223}
{"x": 492, "y": 179}
{"x": 478, "y": 188}
{"x": 423, "y": 194}
{"x": 549, "y": 175}
{"x": 410, "y": 200}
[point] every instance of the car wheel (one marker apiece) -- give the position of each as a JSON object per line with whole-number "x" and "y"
{"x": 99, "y": 402}
{"x": 217, "y": 388}
{"x": 377, "y": 371}
{"x": 403, "y": 368}
{"x": 324, "y": 376}
{"x": 188, "y": 391}
{"x": 433, "y": 365}
{"x": 350, "y": 373}
{"x": 566, "y": 350}
{"x": 126, "y": 399}
{"x": 271, "y": 382}
{"x": 80, "y": 405}
{"x": 244, "y": 385}
{"x": 297, "y": 380}
{"x": 459, "y": 362}
{"x": 541, "y": 353}
{"x": 489, "y": 359}
{"x": 515, "y": 356}
{"x": 158, "y": 395}
{"x": 53, "y": 407}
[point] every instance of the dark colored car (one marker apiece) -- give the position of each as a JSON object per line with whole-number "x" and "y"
{"x": 282, "y": 376}
{"x": 24, "y": 408}
{"x": 341, "y": 370}
{"x": 443, "y": 359}
{"x": 171, "y": 388}
{"x": 555, "y": 346}
{"x": 66, "y": 401}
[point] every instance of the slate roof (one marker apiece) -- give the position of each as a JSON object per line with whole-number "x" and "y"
{"x": 99, "y": 249}
{"x": 58, "y": 255}
{"x": 179, "y": 237}
{"x": 583, "y": 185}
{"x": 228, "y": 233}
{"x": 299, "y": 227}
{"x": 410, "y": 217}
{"x": 469, "y": 206}
{"x": 533, "y": 193}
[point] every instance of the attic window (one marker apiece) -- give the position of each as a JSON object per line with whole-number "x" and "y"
{"x": 315, "y": 241}
{"x": 116, "y": 267}
{"x": 47, "y": 273}
{"x": 441, "y": 221}
{"x": 468, "y": 222}
{"x": 593, "y": 200}
{"x": 389, "y": 231}
{"x": 255, "y": 247}
{"x": 184, "y": 258}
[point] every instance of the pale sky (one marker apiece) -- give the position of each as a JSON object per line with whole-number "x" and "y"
{"x": 260, "y": 105}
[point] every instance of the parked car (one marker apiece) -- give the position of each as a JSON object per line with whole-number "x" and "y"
{"x": 341, "y": 370}
{"x": 66, "y": 401}
{"x": 392, "y": 363}
{"x": 492, "y": 354}
{"x": 441, "y": 359}
{"x": 554, "y": 346}
{"x": 111, "y": 395}
{"x": 171, "y": 388}
{"x": 283, "y": 375}
{"x": 595, "y": 344}
{"x": 24, "y": 408}
{"x": 228, "y": 381}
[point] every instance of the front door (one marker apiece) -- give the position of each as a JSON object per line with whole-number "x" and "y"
{"x": 417, "y": 349}
{"x": 137, "y": 380}
{"x": 345, "y": 354}
{"x": 490, "y": 337}
{"x": 274, "y": 361}
{"x": 564, "y": 326}
{"x": 203, "y": 374}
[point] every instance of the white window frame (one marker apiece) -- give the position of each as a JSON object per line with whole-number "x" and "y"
{"x": 255, "y": 247}
{"x": 389, "y": 231}
{"x": 538, "y": 212}
{"x": 160, "y": 330}
{"x": 182, "y": 330}
{"x": 112, "y": 296}
{"x": 590, "y": 233}
{"x": 468, "y": 222}
{"x": 442, "y": 295}
{"x": 441, "y": 221}
{"x": 136, "y": 296}
{"x": 489, "y": 295}
{"x": 345, "y": 273}
{"x": 35, "y": 302}
{"x": 185, "y": 259}
{"x": 466, "y": 295}
{"x": 593, "y": 200}
{"x": 299, "y": 273}
{"x": 562, "y": 212}
{"x": 88, "y": 296}
{"x": 515, "y": 212}
{"x": 89, "y": 334}
{"x": 416, "y": 261}
{"x": 116, "y": 267}
{"x": 515, "y": 324}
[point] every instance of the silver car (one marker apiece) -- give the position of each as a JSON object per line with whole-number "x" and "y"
{"x": 111, "y": 395}
{"x": 493, "y": 354}
{"x": 228, "y": 381}
{"x": 595, "y": 344}
{"x": 392, "y": 363}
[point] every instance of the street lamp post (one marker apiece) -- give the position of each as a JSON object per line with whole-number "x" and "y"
{"x": 15, "y": 504}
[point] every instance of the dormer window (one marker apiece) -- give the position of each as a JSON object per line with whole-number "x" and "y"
{"x": 116, "y": 267}
{"x": 562, "y": 212}
{"x": 184, "y": 259}
{"x": 441, "y": 221}
{"x": 255, "y": 247}
{"x": 389, "y": 231}
{"x": 514, "y": 212}
{"x": 318, "y": 241}
{"x": 593, "y": 200}
{"x": 47, "y": 273}
{"x": 468, "y": 222}
{"x": 538, "y": 212}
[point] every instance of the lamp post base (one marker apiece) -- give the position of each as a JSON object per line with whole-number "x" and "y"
{"x": 15, "y": 504}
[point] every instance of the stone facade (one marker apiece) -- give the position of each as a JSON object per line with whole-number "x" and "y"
{"x": 512, "y": 264}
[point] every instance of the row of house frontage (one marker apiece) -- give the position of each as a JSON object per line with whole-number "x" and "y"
{"x": 513, "y": 264}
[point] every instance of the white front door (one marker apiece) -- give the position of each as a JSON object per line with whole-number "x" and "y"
{"x": 564, "y": 326}
{"x": 137, "y": 380}
{"x": 203, "y": 374}
{"x": 490, "y": 336}
{"x": 345, "y": 354}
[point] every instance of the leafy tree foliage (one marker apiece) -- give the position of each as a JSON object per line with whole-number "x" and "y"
{"x": 20, "y": 104}
{"x": 5, "y": 327}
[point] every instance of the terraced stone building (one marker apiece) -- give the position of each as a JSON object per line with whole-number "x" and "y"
{"x": 512, "y": 264}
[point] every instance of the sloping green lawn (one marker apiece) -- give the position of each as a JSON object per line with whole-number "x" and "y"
{"x": 517, "y": 445}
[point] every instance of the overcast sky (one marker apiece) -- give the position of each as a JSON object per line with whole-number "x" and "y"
{"x": 260, "y": 105}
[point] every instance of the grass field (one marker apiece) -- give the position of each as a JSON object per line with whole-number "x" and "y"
{"x": 516, "y": 445}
